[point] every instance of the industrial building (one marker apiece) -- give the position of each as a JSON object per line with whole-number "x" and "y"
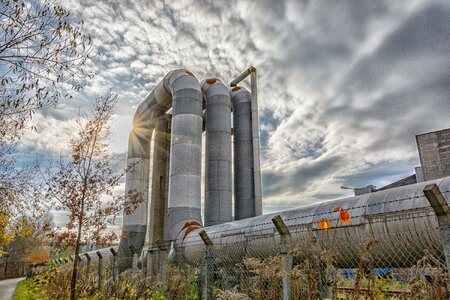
{"x": 434, "y": 154}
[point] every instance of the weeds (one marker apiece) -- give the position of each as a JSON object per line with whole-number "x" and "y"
{"x": 313, "y": 276}
{"x": 232, "y": 294}
{"x": 368, "y": 255}
{"x": 429, "y": 279}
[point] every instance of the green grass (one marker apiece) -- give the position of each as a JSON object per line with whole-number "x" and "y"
{"x": 29, "y": 290}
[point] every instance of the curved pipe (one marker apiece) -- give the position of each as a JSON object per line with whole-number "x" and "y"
{"x": 244, "y": 188}
{"x": 218, "y": 189}
{"x": 400, "y": 218}
{"x": 182, "y": 89}
{"x": 185, "y": 154}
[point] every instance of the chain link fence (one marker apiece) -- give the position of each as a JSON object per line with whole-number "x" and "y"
{"x": 392, "y": 253}
{"x": 376, "y": 269}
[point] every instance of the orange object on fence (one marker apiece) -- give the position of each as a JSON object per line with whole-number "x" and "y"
{"x": 344, "y": 216}
{"x": 324, "y": 223}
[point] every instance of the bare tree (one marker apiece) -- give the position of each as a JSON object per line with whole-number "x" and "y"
{"x": 43, "y": 57}
{"x": 83, "y": 184}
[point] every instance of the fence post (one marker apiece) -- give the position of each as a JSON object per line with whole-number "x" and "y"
{"x": 148, "y": 258}
{"x": 162, "y": 264}
{"x": 114, "y": 268}
{"x": 442, "y": 210}
{"x": 99, "y": 271}
{"x": 325, "y": 282}
{"x": 134, "y": 264}
{"x": 88, "y": 263}
{"x": 285, "y": 246}
{"x": 79, "y": 266}
{"x": 153, "y": 261}
{"x": 209, "y": 267}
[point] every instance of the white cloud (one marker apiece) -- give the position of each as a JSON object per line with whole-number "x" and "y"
{"x": 343, "y": 86}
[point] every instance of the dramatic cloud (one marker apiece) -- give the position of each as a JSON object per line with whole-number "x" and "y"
{"x": 344, "y": 85}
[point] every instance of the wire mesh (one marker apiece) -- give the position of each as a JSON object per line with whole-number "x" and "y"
{"x": 387, "y": 265}
{"x": 391, "y": 248}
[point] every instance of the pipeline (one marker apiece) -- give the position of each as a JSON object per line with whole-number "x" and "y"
{"x": 218, "y": 187}
{"x": 401, "y": 219}
{"x": 181, "y": 90}
{"x": 255, "y": 134}
{"x": 175, "y": 199}
{"x": 244, "y": 188}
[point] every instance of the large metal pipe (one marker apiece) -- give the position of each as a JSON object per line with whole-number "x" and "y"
{"x": 255, "y": 141}
{"x": 137, "y": 180}
{"x": 158, "y": 229}
{"x": 157, "y": 222}
{"x": 255, "y": 134}
{"x": 401, "y": 219}
{"x": 218, "y": 187}
{"x": 185, "y": 153}
{"x": 244, "y": 189}
{"x": 181, "y": 88}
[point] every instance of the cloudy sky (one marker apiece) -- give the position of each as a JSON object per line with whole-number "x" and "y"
{"x": 344, "y": 85}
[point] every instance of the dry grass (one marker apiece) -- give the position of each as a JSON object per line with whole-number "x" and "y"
{"x": 232, "y": 294}
{"x": 262, "y": 278}
{"x": 254, "y": 278}
{"x": 182, "y": 283}
{"x": 429, "y": 279}
{"x": 368, "y": 255}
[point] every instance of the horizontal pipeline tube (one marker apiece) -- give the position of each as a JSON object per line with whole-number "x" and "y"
{"x": 242, "y": 76}
{"x": 401, "y": 219}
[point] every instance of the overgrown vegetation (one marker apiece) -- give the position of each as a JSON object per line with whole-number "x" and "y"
{"x": 29, "y": 290}
{"x": 55, "y": 284}
{"x": 313, "y": 276}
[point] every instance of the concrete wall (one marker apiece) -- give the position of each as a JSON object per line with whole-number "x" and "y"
{"x": 434, "y": 152}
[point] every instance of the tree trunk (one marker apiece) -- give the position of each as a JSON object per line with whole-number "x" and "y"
{"x": 73, "y": 282}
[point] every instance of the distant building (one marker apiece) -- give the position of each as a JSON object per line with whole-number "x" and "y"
{"x": 434, "y": 154}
